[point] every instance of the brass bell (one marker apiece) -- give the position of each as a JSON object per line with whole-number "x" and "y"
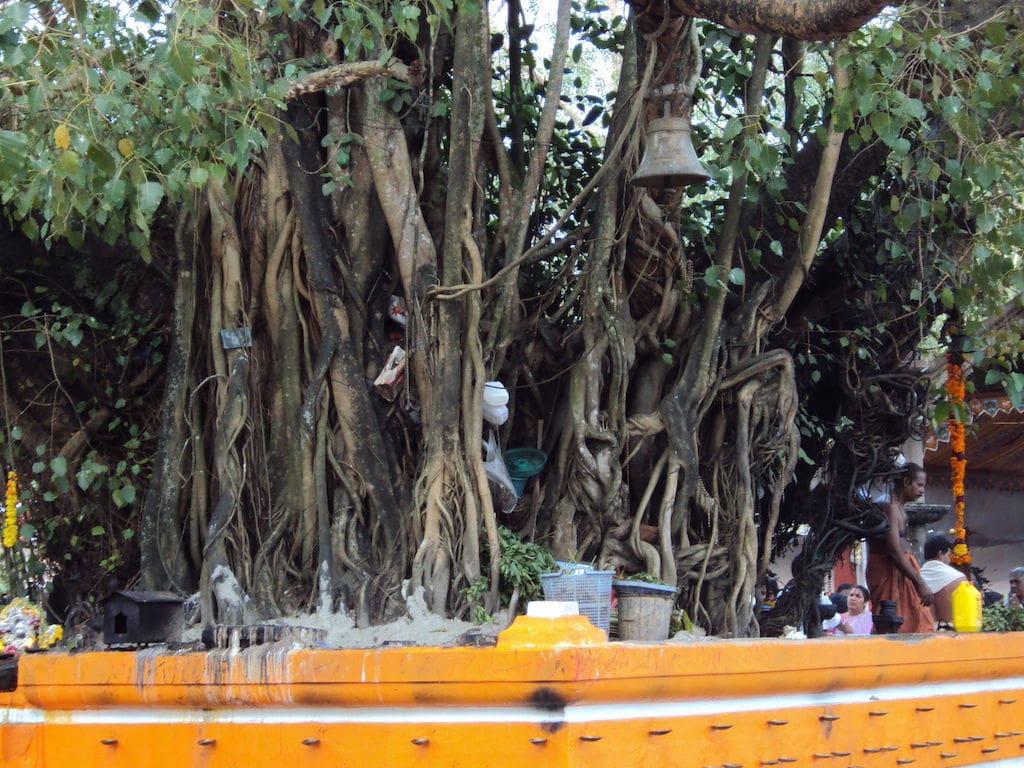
{"x": 669, "y": 159}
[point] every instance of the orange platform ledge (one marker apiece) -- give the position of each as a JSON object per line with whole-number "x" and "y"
{"x": 552, "y": 693}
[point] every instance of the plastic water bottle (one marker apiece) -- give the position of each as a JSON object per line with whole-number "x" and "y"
{"x": 967, "y": 605}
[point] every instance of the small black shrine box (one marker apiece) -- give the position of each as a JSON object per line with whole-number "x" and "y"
{"x": 135, "y": 618}
{"x": 8, "y": 671}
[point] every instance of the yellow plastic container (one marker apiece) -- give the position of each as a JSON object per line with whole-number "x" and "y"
{"x": 967, "y": 606}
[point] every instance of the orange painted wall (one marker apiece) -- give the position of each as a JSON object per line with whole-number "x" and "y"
{"x": 535, "y": 700}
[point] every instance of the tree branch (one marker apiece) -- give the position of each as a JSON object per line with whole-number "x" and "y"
{"x": 810, "y": 232}
{"x": 802, "y": 19}
{"x": 350, "y": 72}
{"x": 515, "y": 236}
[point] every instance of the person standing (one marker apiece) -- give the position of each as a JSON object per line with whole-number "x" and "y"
{"x": 941, "y": 577}
{"x": 1016, "y": 597}
{"x": 893, "y": 573}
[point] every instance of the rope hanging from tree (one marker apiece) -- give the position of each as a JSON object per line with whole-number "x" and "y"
{"x": 956, "y": 389}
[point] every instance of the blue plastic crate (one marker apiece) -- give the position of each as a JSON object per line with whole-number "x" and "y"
{"x": 592, "y": 590}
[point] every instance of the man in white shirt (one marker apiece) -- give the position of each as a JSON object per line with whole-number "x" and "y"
{"x": 941, "y": 577}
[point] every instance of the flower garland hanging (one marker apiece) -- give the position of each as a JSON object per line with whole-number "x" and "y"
{"x": 11, "y": 510}
{"x": 956, "y": 390}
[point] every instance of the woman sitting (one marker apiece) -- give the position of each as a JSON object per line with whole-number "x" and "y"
{"x": 857, "y": 619}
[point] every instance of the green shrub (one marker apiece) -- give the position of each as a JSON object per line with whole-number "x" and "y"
{"x": 522, "y": 563}
{"x": 1000, "y": 618}
{"x": 645, "y": 577}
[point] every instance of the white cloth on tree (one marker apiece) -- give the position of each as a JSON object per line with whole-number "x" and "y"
{"x": 495, "y": 394}
{"x": 495, "y": 414}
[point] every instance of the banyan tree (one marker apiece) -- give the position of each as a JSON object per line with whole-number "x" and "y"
{"x": 223, "y": 217}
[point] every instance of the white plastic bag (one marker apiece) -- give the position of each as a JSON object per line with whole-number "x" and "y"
{"x": 495, "y": 393}
{"x": 502, "y": 489}
{"x": 495, "y": 414}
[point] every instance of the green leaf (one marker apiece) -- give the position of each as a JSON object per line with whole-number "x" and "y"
{"x": 67, "y": 162}
{"x": 150, "y": 195}
{"x": 97, "y": 530}
{"x": 84, "y": 479}
{"x": 1015, "y": 387}
{"x": 711, "y": 278}
{"x": 732, "y": 129}
{"x": 12, "y": 141}
{"x": 88, "y": 472}
{"x": 59, "y": 466}
{"x": 986, "y": 175}
{"x": 737, "y": 276}
{"x": 74, "y": 336}
{"x": 961, "y": 189}
{"x": 102, "y": 158}
{"x": 181, "y": 61}
{"x": 915, "y": 108}
{"x": 14, "y": 16}
{"x": 884, "y": 127}
{"x": 127, "y": 533}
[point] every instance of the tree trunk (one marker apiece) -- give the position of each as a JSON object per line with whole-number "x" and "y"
{"x": 162, "y": 559}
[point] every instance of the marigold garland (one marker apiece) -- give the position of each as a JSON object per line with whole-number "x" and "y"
{"x": 956, "y": 389}
{"x": 11, "y": 510}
